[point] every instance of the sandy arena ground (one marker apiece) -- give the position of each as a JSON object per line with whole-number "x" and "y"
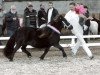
{"x": 54, "y": 63}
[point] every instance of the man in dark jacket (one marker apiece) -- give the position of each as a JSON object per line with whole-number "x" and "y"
{"x": 12, "y": 21}
{"x": 30, "y": 17}
{"x": 51, "y": 12}
{"x": 41, "y": 15}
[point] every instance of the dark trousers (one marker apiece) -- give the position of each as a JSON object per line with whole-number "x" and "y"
{"x": 87, "y": 22}
{"x": 86, "y": 33}
{"x": 10, "y": 32}
{"x": 81, "y": 21}
{"x": 0, "y": 29}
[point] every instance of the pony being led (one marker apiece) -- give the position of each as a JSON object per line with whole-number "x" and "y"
{"x": 37, "y": 37}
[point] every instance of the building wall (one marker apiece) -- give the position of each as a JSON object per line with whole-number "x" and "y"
{"x": 62, "y": 6}
{"x": 1, "y": 1}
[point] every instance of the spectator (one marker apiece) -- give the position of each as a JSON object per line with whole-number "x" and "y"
{"x": 30, "y": 17}
{"x": 41, "y": 15}
{"x": 12, "y": 21}
{"x": 51, "y": 12}
{"x": 2, "y": 13}
{"x": 26, "y": 9}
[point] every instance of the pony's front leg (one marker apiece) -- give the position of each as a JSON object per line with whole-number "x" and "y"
{"x": 25, "y": 51}
{"x": 62, "y": 49}
{"x": 45, "y": 52}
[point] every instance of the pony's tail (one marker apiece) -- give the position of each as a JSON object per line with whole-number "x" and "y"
{"x": 9, "y": 49}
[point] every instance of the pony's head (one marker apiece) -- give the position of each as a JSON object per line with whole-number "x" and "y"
{"x": 58, "y": 18}
{"x": 59, "y": 22}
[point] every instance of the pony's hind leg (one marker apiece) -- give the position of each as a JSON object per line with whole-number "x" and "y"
{"x": 25, "y": 51}
{"x": 62, "y": 49}
{"x": 45, "y": 52}
{"x": 18, "y": 45}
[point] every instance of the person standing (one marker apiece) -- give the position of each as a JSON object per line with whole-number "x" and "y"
{"x": 2, "y": 14}
{"x": 12, "y": 21}
{"x": 30, "y": 17}
{"x": 41, "y": 15}
{"x": 51, "y": 12}
{"x": 26, "y": 9}
{"x": 73, "y": 18}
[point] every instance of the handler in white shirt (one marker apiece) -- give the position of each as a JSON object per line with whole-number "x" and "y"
{"x": 77, "y": 30}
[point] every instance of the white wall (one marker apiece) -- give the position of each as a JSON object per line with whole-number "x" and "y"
{"x": 62, "y": 6}
{"x": 1, "y": 1}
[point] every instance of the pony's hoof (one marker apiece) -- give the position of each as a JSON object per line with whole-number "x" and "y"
{"x": 91, "y": 57}
{"x": 41, "y": 58}
{"x": 29, "y": 56}
{"x": 11, "y": 60}
{"x": 64, "y": 55}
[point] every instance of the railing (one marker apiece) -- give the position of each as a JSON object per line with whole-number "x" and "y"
{"x": 85, "y": 36}
{"x": 63, "y": 37}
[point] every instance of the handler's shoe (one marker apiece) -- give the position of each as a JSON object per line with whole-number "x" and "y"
{"x": 91, "y": 57}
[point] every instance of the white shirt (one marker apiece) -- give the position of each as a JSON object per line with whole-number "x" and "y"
{"x": 71, "y": 15}
{"x": 73, "y": 19}
{"x": 50, "y": 14}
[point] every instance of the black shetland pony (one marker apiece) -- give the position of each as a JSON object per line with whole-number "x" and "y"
{"x": 34, "y": 37}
